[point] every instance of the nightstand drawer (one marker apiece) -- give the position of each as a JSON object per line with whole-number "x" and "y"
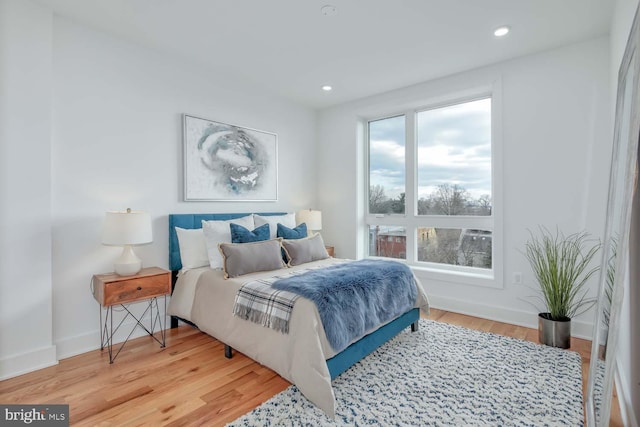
{"x": 136, "y": 289}
{"x": 111, "y": 289}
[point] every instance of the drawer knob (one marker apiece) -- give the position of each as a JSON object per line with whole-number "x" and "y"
{"x": 139, "y": 288}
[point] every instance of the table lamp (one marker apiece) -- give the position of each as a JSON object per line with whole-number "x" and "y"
{"x": 312, "y": 218}
{"x": 127, "y": 229}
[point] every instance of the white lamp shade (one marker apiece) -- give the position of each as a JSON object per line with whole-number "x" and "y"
{"x": 127, "y": 228}
{"x": 312, "y": 218}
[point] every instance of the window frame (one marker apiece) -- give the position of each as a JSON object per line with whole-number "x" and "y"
{"x": 411, "y": 221}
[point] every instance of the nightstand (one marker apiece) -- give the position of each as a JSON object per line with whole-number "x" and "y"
{"x": 330, "y": 250}
{"x": 112, "y": 290}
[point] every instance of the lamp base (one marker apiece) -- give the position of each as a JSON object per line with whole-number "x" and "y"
{"x": 128, "y": 264}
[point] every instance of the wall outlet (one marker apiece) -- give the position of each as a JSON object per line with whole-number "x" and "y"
{"x": 517, "y": 278}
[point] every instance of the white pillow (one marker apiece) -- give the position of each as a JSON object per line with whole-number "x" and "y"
{"x": 216, "y": 232}
{"x": 193, "y": 250}
{"x": 288, "y": 220}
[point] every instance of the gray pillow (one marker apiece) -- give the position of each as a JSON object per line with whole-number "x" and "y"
{"x": 305, "y": 250}
{"x": 244, "y": 258}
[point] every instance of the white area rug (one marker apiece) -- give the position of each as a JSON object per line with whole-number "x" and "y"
{"x": 444, "y": 375}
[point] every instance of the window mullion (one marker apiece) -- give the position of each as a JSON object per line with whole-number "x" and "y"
{"x": 477, "y": 222}
{"x": 411, "y": 186}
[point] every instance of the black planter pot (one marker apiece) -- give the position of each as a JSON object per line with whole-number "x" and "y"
{"x": 555, "y": 333}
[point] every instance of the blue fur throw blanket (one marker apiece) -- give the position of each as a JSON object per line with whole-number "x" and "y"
{"x": 355, "y": 296}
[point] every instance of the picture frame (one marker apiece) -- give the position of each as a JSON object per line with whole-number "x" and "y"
{"x": 224, "y": 162}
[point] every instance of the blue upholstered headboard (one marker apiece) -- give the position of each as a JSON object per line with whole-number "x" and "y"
{"x": 195, "y": 221}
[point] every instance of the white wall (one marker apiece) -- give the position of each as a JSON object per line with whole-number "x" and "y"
{"x": 117, "y": 143}
{"x": 25, "y": 191}
{"x": 556, "y": 138}
{"x": 92, "y": 123}
{"x": 628, "y": 352}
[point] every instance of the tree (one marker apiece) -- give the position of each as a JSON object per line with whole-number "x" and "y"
{"x": 484, "y": 202}
{"x": 424, "y": 206}
{"x": 466, "y": 251}
{"x": 377, "y": 199}
{"x": 447, "y": 199}
{"x": 450, "y": 199}
{"x": 397, "y": 205}
{"x": 448, "y": 242}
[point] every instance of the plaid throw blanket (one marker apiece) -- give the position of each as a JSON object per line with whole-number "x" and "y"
{"x": 258, "y": 302}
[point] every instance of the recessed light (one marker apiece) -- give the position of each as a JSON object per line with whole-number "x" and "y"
{"x": 327, "y": 88}
{"x": 501, "y": 31}
{"x": 329, "y": 10}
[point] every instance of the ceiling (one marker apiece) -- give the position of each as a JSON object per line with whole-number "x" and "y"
{"x": 288, "y": 47}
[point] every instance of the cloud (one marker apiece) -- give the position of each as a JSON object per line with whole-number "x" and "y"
{"x": 393, "y": 182}
{"x": 454, "y": 147}
{"x": 387, "y": 155}
{"x": 386, "y": 166}
{"x": 389, "y": 129}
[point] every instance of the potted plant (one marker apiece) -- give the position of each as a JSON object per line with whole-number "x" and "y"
{"x": 562, "y": 268}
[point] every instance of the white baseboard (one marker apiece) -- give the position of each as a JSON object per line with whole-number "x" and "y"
{"x": 90, "y": 341}
{"x": 579, "y": 329}
{"x": 27, "y": 362}
{"x": 629, "y": 417}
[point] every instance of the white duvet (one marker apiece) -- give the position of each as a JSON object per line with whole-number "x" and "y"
{"x": 205, "y": 298}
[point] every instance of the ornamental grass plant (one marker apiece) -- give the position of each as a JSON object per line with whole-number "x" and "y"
{"x": 561, "y": 265}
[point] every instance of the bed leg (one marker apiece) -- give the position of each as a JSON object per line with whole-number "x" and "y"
{"x": 228, "y": 352}
{"x": 415, "y": 326}
{"x": 174, "y": 322}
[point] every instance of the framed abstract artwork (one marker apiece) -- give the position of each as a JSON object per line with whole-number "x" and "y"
{"x": 224, "y": 162}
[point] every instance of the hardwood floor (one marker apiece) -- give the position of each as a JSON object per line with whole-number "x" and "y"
{"x": 187, "y": 383}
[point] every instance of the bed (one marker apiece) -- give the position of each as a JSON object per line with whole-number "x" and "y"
{"x": 204, "y": 298}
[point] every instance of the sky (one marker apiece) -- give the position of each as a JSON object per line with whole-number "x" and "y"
{"x": 453, "y": 146}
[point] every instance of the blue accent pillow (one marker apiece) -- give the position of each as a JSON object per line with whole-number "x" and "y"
{"x": 300, "y": 232}
{"x": 240, "y": 234}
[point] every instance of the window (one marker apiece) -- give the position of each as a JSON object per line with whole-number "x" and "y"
{"x": 431, "y": 175}
{"x": 454, "y": 159}
{"x": 387, "y": 165}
